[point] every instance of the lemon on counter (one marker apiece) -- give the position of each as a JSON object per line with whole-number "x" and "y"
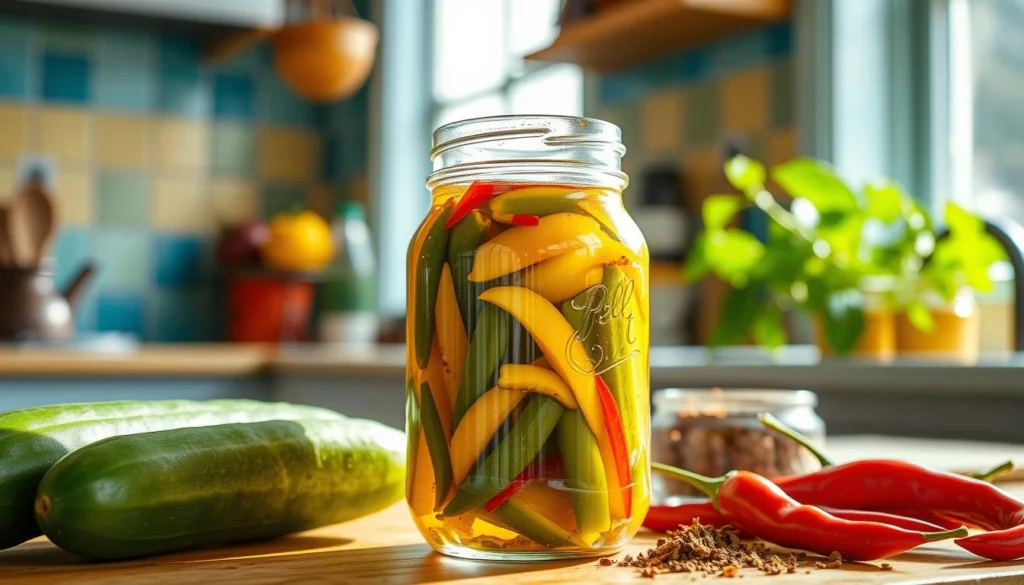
{"x": 298, "y": 242}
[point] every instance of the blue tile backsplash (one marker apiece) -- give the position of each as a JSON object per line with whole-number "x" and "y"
{"x": 125, "y": 73}
{"x": 233, "y": 96}
{"x": 178, "y": 261}
{"x": 153, "y": 92}
{"x": 123, "y": 312}
{"x": 66, "y": 78}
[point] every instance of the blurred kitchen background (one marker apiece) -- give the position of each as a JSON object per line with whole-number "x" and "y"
{"x": 181, "y": 168}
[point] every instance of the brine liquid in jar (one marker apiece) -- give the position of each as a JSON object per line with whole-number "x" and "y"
{"x": 528, "y": 331}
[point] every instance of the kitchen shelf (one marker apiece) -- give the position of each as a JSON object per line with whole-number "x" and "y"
{"x": 635, "y": 31}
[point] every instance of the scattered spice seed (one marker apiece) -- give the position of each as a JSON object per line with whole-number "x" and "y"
{"x": 886, "y": 567}
{"x": 704, "y": 551}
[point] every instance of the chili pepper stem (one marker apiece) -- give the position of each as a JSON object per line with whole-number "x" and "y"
{"x": 708, "y": 485}
{"x": 991, "y": 474}
{"x": 778, "y": 426}
{"x": 945, "y": 534}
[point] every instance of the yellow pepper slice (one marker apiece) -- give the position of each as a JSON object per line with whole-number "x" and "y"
{"x": 557, "y": 342}
{"x": 564, "y": 276}
{"x": 478, "y": 426}
{"x": 521, "y": 247}
{"x": 434, "y": 375}
{"x": 536, "y": 379}
{"x": 451, "y": 334}
{"x": 421, "y": 493}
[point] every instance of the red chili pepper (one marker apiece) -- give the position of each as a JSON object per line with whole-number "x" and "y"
{"x": 929, "y": 516}
{"x": 665, "y": 518}
{"x": 998, "y": 545}
{"x": 551, "y": 467}
{"x": 879, "y": 484}
{"x": 761, "y": 508}
{"x": 617, "y": 438}
{"x": 904, "y": 522}
{"x": 525, "y": 220}
{"x": 478, "y": 193}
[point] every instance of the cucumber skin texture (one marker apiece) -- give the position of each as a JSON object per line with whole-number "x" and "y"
{"x": 33, "y": 439}
{"x": 152, "y": 493}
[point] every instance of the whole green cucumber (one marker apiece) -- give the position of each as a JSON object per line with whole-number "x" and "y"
{"x": 33, "y": 439}
{"x": 152, "y": 493}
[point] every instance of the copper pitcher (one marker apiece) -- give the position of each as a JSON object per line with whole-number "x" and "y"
{"x": 32, "y": 308}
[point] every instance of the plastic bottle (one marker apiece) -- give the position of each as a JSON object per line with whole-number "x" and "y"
{"x": 347, "y": 295}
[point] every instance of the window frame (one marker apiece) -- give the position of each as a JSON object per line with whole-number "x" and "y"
{"x": 511, "y": 78}
{"x": 905, "y": 132}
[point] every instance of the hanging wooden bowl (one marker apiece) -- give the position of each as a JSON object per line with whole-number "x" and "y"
{"x": 326, "y": 60}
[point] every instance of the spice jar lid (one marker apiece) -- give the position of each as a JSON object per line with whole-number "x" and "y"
{"x": 716, "y": 401}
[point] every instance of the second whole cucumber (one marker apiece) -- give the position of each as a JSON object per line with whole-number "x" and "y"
{"x": 153, "y": 493}
{"x": 33, "y": 439}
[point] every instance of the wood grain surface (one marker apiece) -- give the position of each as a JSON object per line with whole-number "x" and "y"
{"x": 385, "y": 548}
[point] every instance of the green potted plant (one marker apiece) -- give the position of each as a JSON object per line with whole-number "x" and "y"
{"x": 856, "y": 262}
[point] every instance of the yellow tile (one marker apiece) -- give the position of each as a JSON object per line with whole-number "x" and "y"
{"x": 234, "y": 201}
{"x": 7, "y": 178}
{"x": 702, "y": 168}
{"x": 181, "y": 204}
{"x": 181, "y": 145}
{"x": 73, "y": 191}
{"x": 123, "y": 141}
{"x": 745, "y": 101}
{"x": 782, "y": 146}
{"x": 64, "y": 134}
{"x": 13, "y": 130}
{"x": 288, "y": 154}
{"x": 661, "y": 119}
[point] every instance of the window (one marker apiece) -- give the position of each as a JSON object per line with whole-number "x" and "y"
{"x": 987, "y": 122}
{"x": 479, "y": 68}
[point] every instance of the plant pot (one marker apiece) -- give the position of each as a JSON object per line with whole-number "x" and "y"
{"x": 956, "y": 336}
{"x": 877, "y": 340}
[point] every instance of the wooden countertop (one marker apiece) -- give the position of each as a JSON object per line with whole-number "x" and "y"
{"x": 147, "y": 360}
{"x": 693, "y": 367}
{"x": 386, "y": 548}
{"x": 199, "y": 360}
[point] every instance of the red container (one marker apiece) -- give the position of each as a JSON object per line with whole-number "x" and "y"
{"x": 268, "y": 308}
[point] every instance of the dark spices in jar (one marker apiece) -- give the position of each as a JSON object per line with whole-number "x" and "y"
{"x": 712, "y": 432}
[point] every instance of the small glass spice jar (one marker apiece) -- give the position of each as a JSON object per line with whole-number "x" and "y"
{"x": 715, "y": 431}
{"x": 528, "y": 335}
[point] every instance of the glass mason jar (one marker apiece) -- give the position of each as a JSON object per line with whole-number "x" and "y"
{"x": 712, "y": 432}
{"x": 528, "y": 410}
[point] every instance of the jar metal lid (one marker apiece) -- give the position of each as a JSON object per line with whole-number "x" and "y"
{"x": 562, "y": 145}
{"x": 715, "y": 401}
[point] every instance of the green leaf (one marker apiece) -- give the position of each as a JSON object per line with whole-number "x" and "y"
{"x": 884, "y": 200}
{"x": 697, "y": 266}
{"x": 783, "y": 261}
{"x": 737, "y": 315}
{"x": 745, "y": 173}
{"x": 960, "y": 221}
{"x": 844, "y": 320}
{"x": 718, "y": 210}
{"x": 768, "y": 329}
{"x": 920, "y": 317}
{"x": 733, "y": 253}
{"x": 815, "y": 181}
